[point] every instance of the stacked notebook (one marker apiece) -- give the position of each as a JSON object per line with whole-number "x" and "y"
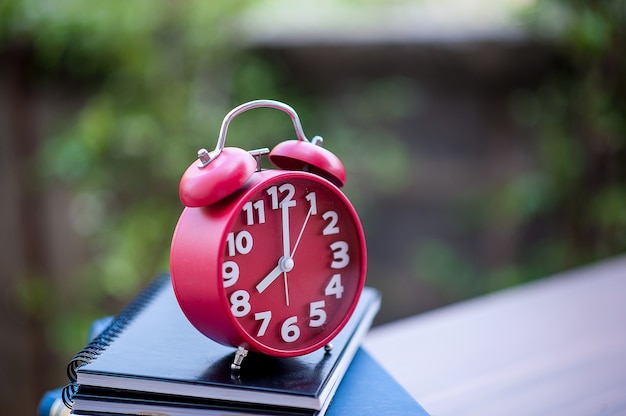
{"x": 151, "y": 360}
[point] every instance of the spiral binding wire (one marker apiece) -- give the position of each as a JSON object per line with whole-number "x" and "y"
{"x": 107, "y": 336}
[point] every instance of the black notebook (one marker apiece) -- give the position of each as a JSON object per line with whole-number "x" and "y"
{"x": 151, "y": 352}
{"x": 366, "y": 389}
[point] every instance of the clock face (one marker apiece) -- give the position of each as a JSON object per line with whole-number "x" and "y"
{"x": 293, "y": 264}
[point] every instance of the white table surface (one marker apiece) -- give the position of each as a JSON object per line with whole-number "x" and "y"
{"x": 552, "y": 347}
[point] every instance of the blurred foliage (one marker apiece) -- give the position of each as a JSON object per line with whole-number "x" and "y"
{"x": 157, "y": 77}
{"x": 573, "y": 208}
{"x": 569, "y": 210}
{"x": 157, "y": 83}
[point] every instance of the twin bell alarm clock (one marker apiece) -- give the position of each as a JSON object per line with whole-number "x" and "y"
{"x": 267, "y": 260}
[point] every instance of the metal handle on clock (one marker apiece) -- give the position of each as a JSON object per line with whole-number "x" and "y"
{"x": 207, "y": 157}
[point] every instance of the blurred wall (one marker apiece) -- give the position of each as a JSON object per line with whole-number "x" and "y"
{"x": 448, "y": 106}
{"x": 37, "y": 243}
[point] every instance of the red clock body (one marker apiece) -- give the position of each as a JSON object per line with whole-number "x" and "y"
{"x": 276, "y": 267}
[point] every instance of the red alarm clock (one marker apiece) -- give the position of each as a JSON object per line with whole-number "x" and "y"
{"x": 267, "y": 260}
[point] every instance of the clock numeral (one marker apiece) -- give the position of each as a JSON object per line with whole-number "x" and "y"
{"x": 240, "y": 303}
{"x": 265, "y": 318}
{"x": 334, "y": 287}
{"x": 317, "y": 314}
{"x": 287, "y": 201}
{"x": 240, "y": 243}
{"x": 340, "y": 255}
{"x": 249, "y": 208}
{"x": 230, "y": 273}
{"x": 311, "y": 197}
{"x": 289, "y": 331}
{"x": 332, "y": 218}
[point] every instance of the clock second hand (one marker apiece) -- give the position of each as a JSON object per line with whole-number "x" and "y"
{"x": 306, "y": 220}
{"x": 293, "y": 253}
{"x": 286, "y": 288}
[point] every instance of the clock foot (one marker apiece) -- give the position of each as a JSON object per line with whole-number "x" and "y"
{"x": 239, "y": 356}
{"x": 328, "y": 347}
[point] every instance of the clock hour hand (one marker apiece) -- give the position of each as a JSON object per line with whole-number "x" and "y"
{"x": 284, "y": 265}
{"x": 269, "y": 279}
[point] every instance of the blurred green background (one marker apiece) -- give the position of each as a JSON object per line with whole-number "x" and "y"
{"x": 485, "y": 144}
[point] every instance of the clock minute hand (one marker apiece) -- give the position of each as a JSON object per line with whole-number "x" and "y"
{"x": 285, "y": 263}
{"x": 285, "y": 221}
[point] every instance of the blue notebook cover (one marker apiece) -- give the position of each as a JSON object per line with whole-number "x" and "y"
{"x": 368, "y": 389}
{"x": 151, "y": 352}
